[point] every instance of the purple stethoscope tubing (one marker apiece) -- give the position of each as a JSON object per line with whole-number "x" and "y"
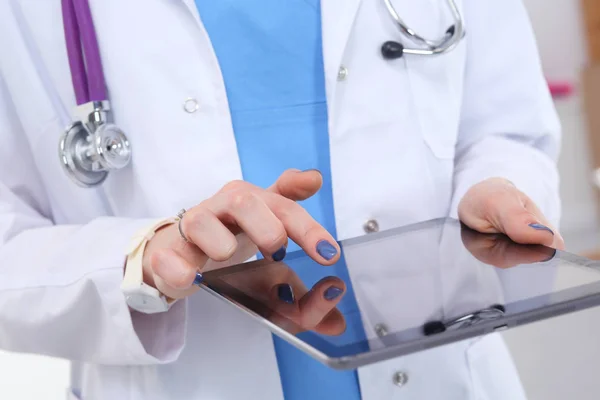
{"x": 86, "y": 73}
{"x": 91, "y": 145}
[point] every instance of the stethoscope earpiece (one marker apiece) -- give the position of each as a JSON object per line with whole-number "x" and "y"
{"x": 434, "y": 327}
{"x": 391, "y": 50}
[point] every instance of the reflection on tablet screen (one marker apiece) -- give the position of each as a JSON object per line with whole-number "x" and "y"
{"x": 408, "y": 285}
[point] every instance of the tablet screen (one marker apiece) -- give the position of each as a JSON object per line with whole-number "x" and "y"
{"x": 407, "y": 286}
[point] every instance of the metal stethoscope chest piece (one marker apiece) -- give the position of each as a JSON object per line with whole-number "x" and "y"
{"x": 392, "y": 49}
{"x": 89, "y": 150}
{"x": 91, "y": 146}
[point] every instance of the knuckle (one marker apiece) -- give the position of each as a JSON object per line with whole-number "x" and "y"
{"x": 274, "y": 239}
{"x": 286, "y": 208}
{"x": 157, "y": 258}
{"x": 242, "y": 199}
{"x": 226, "y": 251}
{"x": 280, "y": 235}
{"x": 312, "y": 230}
{"x": 234, "y": 185}
{"x": 194, "y": 218}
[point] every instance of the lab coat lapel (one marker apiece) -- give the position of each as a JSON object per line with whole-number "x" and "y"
{"x": 337, "y": 18}
{"x": 191, "y": 5}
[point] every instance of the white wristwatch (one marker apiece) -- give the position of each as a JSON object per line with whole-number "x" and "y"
{"x": 140, "y": 296}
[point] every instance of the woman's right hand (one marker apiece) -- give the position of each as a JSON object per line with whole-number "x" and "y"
{"x": 231, "y": 226}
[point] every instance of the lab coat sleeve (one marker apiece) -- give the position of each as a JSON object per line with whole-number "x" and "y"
{"x": 509, "y": 127}
{"x": 60, "y": 284}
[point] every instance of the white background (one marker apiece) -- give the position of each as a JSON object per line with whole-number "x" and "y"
{"x": 557, "y": 359}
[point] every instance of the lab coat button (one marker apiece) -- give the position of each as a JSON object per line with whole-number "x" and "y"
{"x": 191, "y": 105}
{"x": 400, "y": 378}
{"x": 342, "y": 73}
{"x": 381, "y": 330}
{"x": 371, "y": 226}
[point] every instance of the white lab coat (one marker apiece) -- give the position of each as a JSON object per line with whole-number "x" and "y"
{"x": 408, "y": 138}
{"x": 425, "y": 273}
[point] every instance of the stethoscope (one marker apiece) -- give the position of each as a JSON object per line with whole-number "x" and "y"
{"x": 391, "y": 49}
{"x": 92, "y": 145}
{"x": 486, "y": 314}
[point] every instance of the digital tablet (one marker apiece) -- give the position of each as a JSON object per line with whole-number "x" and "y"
{"x": 406, "y": 290}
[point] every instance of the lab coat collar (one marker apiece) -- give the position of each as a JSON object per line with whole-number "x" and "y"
{"x": 191, "y": 5}
{"x": 338, "y": 17}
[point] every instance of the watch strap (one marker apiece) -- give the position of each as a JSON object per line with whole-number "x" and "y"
{"x": 133, "y": 278}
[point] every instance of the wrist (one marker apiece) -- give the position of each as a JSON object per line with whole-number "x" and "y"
{"x": 138, "y": 284}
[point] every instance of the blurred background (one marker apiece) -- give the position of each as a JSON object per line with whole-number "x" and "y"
{"x": 557, "y": 359}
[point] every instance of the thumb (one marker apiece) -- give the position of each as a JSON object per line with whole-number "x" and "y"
{"x": 298, "y": 185}
{"x": 524, "y": 226}
{"x": 497, "y": 207}
{"x": 529, "y": 226}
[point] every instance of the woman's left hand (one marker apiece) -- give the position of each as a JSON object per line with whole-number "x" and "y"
{"x": 497, "y": 206}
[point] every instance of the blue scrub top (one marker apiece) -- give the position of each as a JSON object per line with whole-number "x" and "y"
{"x": 271, "y": 59}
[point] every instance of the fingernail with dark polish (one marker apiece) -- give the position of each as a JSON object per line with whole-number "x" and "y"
{"x": 326, "y": 250}
{"x": 199, "y": 279}
{"x": 541, "y": 227}
{"x": 332, "y": 293}
{"x": 279, "y": 254}
{"x": 285, "y": 293}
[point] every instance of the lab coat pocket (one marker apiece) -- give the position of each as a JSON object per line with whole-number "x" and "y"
{"x": 436, "y": 89}
{"x": 493, "y": 373}
{"x": 436, "y": 84}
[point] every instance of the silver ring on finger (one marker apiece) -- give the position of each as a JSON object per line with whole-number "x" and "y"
{"x": 180, "y": 218}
